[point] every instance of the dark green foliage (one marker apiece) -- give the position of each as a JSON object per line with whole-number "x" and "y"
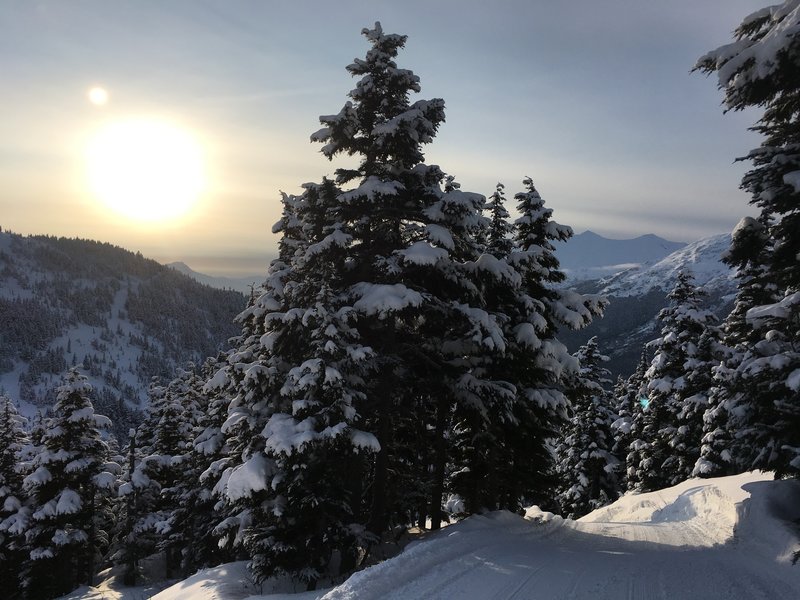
{"x": 677, "y": 386}
{"x": 69, "y": 486}
{"x": 587, "y": 468}
{"x": 761, "y": 382}
{"x": 13, "y": 438}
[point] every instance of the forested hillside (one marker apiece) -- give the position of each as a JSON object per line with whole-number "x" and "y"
{"x": 123, "y": 318}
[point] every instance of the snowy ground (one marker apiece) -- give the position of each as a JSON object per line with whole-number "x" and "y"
{"x": 729, "y": 538}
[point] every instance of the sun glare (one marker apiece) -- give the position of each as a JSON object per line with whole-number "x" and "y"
{"x": 146, "y": 169}
{"x": 98, "y": 96}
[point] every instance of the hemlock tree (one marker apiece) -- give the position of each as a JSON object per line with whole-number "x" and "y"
{"x": 629, "y": 427}
{"x": 371, "y": 335}
{"x": 70, "y": 484}
{"x": 12, "y": 545}
{"x": 587, "y": 468}
{"x": 535, "y": 362}
{"x": 499, "y": 232}
{"x": 673, "y": 419}
{"x": 165, "y": 440}
{"x": 724, "y": 451}
{"x": 760, "y": 68}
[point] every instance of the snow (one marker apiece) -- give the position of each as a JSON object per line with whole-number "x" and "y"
{"x": 592, "y": 256}
{"x": 247, "y": 478}
{"x": 381, "y": 299}
{"x": 440, "y": 235}
{"x": 725, "y": 538}
{"x": 703, "y": 258}
{"x": 422, "y": 253}
{"x": 779, "y": 310}
{"x": 747, "y": 61}
{"x": 69, "y": 502}
{"x": 793, "y": 381}
{"x": 372, "y": 188}
{"x": 364, "y": 440}
{"x": 793, "y": 179}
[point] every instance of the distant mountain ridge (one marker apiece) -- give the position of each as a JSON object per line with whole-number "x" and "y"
{"x": 588, "y": 255}
{"x": 121, "y": 317}
{"x": 240, "y": 284}
{"x": 638, "y": 292}
{"x": 703, "y": 258}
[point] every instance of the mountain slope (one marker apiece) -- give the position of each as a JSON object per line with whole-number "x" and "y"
{"x": 703, "y": 258}
{"x": 728, "y": 538}
{"x": 119, "y": 316}
{"x": 637, "y": 295}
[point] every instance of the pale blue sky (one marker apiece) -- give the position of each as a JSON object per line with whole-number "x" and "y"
{"x": 593, "y": 100}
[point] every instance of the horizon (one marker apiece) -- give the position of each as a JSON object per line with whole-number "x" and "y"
{"x": 245, "y": 267}
{"x": 596, "y": 103}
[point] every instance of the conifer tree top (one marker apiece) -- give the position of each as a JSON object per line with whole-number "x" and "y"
{"x": 380, "y": 123}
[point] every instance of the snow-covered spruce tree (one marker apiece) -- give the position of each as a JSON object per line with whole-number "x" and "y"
{"x": 696, "y": 399}
{"x": 587, "y": 468}
{"x": 760, "y": 68}
{"x": 479, "y": 474}
{"x": 199, "y": 512}
{"x": 70, "y": 485}
{"x": 246, "y": 386}
{"x": 165, "y": 438}
{"x": 413, "y": 298}
{"x": 13, "y": 438}
{"x": 673, "y": 419}
{"x": 499, "y": 232}
{"x": 291, "y": 428}
{"x": 724, "y": 451}
{"x": 628, "y": 428}
{"x": 507, "y": 431}
{"x": 350, "y": 369}
{"x": 184, "y": 530}
{"x": 134, "y": 534}
{"x": 536, "y": 362}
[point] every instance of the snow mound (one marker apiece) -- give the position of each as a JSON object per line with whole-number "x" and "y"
{"x": 711, "y": 508}
{"x": 712, "y": 539}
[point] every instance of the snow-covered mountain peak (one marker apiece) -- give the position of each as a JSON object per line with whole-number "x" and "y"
{"x": 589, "y": 255}
{"x": 703, "y": 258}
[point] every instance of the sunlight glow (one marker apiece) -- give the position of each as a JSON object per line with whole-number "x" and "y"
{"x": 146, "y": 169}
{"x": 97, "y": 96}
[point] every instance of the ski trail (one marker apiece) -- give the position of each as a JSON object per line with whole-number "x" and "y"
{"x": 680, "y": 543}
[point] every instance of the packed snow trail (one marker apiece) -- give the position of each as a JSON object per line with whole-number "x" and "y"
{"x": 730, "y": 538}
{"x": 713, "y": 539}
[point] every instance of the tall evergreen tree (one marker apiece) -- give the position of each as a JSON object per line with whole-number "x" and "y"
{"x": 370, "y": 339}
{"x": 70, "y": 485}
{"x": 165, "y": 439}
{"x": 760, "y": 69}
{"x": 13, "y": 438}
{"x": 587, "y": 467}
{"x": 677, "y": 386}
{"x": 499, "y": 232}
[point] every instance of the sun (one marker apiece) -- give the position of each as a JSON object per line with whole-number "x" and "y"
{"x": 97, "y": 96}
{"x": 146, "y": 169}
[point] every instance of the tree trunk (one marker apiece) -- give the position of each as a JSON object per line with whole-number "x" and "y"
{"x": 92, "y": 539}
{"x": 377, "y": 520}
{"x": 439, "y": 463}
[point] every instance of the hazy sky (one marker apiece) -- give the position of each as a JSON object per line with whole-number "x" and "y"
{"x": 593, "y": 100}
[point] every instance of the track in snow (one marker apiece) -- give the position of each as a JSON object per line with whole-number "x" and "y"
{"x": 698, "y": 540}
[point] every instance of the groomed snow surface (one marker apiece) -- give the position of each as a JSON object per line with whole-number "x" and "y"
{"x": 729, "y": 538}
